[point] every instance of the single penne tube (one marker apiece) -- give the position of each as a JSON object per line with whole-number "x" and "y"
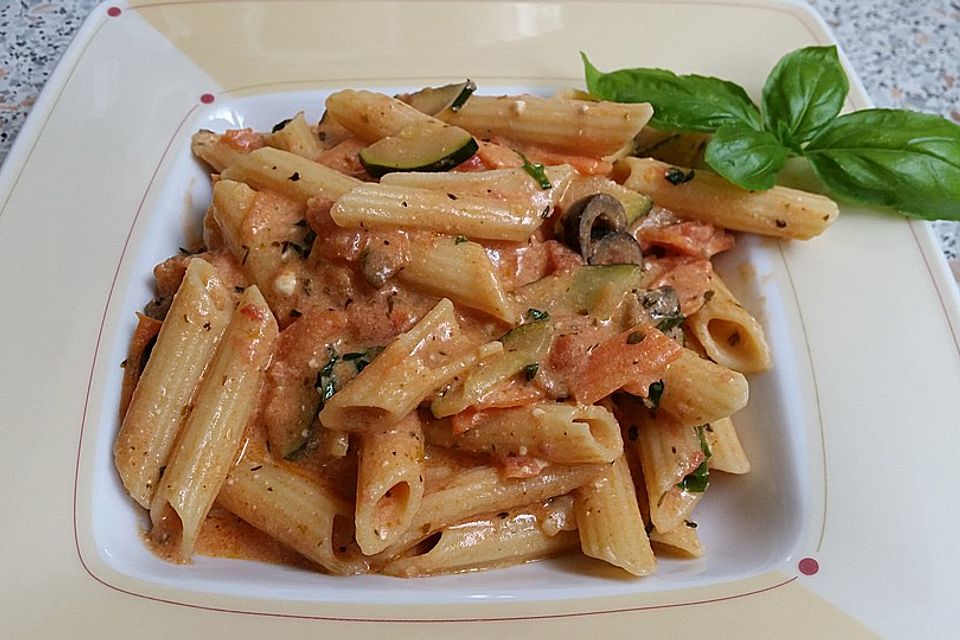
{"x": 295, "y": 510}
{"x": 207, "y": 445}
{"x": 370, "y": 116}
{"x": 697, "y": 391}
{"x": 683, "y": 541}
{"x": 382, "y": 205}
{"x": 727, "y": 453}
{"x": 390, "y": 471}
{"x": 493, "y": 540}
{"x": 266, "y": 233}
{"x": 294, "y": 135}
{"x": 673, "y": 509}
{"x": 198, "y": 315}
{"x": 482, "y": 490}
{"x": 554, "y": 432}
{"x": 232, "y": 202}
{"x": 576, "y": 127}
{"x": 728, "y": 333}
{"x": 669, "y": 452}
{"x": 781, "y": 211}
{"x": 608, "y": 519}
{"x": 211, "y": 148}
{"x": 289, "y": 175}
{"x": 411, "y": 367}
{"x": 461, "y": 271}
{"x": 500, "y": 184}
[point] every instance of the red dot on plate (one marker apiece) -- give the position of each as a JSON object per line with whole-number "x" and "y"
{"x": 207, "y": 98}
{"x": 113, "y": 12}
{"x": 808, "y": 566}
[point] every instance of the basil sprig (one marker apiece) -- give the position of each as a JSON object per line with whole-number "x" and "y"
{"x": 902, "y": 159}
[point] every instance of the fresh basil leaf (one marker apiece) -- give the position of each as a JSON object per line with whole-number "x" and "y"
{"x": 803, "y": 93}
{"x": 680, "y": 103}
{"x": 902, "y": 159}
{"x": 750, "y": 159}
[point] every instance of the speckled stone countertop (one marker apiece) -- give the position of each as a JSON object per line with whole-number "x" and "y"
{"x": 907, "y": 53}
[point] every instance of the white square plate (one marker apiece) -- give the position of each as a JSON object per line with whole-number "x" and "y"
{"x": 835, "y": 532}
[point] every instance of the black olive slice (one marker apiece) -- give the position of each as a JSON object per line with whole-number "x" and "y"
{"x": 591, "y": 218}
{"x": 616, "y": 247}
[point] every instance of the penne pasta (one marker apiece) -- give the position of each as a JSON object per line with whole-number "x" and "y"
{"x": 289, "y": 175}
{"x": 296, "y": 511}
{"x": 383, "y": 206}
{"x": 211, "y": 148}
{"x": 781, "y": 211}
{"x": 512, "y": 185}
{"x": 410, "y": 368}
{"x": 481, "y": 490}
{"x": 389, "y": 483}
{"x": 495, "y": 539}
{"x": 263, "y": 231}
{"x": 371, "y": 116}
{"x": 729, "y": 335}
{"x": 208, "y": 442}
{"x": 609, "y": 522}
{"x": 697, "y": 391}
{"x": 560, "y": 433}
{"x": 670, "y": 453}
{"x": 294, "y": 135}
{"x": 454, "y": 349}
{"x": 576, "y": 127}
{"x": 187, "y": 340}
{"x": 727, "y": 453}
{"x": 461, "y": 271}
{"x": 683, "y": 541}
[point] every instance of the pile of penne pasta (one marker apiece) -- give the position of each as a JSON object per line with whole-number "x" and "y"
{"x": 445, "y": 370}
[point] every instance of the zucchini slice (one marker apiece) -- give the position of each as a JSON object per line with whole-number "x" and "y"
{"x": 523, "y": 346}
{"x": 422, "y": 146}
{"x": 597, "y": 290}
{"x": 433, "y": 100}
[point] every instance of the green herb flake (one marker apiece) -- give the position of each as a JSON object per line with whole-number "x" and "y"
{"x": 280, "y": 125}
{"x": 530, "y": 371}
{"x": 360, "y": 359}
{"x": 536, "y": 171}
{"x": 654, "y": 393}
{"x": 670, "y": 322}
{"x": 326, "y": 382}
{"x": 460, "y": 240}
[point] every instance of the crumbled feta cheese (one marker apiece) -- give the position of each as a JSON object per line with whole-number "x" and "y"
{"x": 285, "y": 283}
